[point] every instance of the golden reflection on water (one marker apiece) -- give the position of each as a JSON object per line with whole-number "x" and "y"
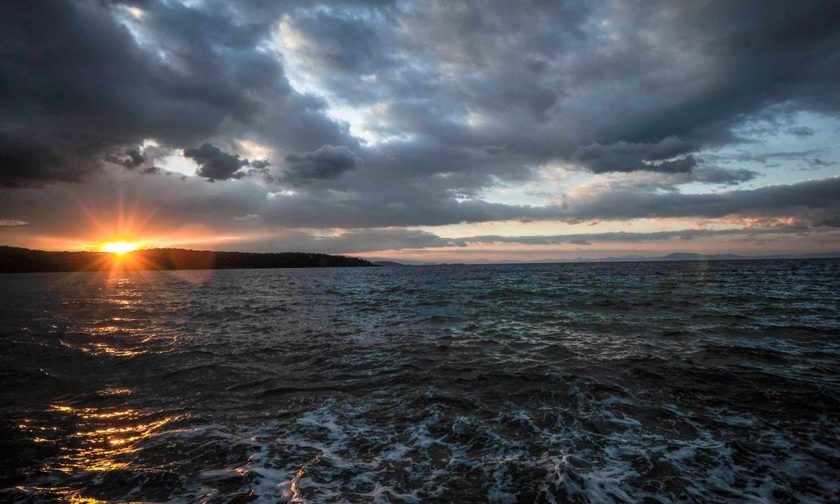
{"x": 78, "y": 499}
{"x": 123, "y": 316}
{"x": 65, "y": 494}
{"x": 104, "y": 348}
{"x": 104, "y": 437}
{"x": 99, "y": 440}
{"x": 83, "y": 444}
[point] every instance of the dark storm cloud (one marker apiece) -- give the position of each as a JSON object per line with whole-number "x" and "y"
{"x": 130, "y": 159}
{"x": 812, "y": 201}
{"x": 24, "y": 161}
{"x": 133, "y": 159}
{"x": 81, "y": 81}
{"x": 325, "y": 163}
{"x": 453, "y": 97}
{"x": 783, "y": 55}
{"x": 627, "y": 157}
{"x": 213, "y": 164}
{"x": 717, "y": 175}
{"x": 502, "y": 90}
{"x": 697, "y": 75}
{"x": 73, "y": 84}
{"x": 345, "y": 44}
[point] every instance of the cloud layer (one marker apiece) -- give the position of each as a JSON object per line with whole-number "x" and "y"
{"x": 397, "y": 114}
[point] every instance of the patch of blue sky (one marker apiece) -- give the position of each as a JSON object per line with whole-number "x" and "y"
{"x": 802, "y": 146}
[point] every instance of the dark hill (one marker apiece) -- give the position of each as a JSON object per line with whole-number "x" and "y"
{"x": 20, "y": 260}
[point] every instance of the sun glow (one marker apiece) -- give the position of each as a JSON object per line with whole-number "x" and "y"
{"x": 120, "y": 247}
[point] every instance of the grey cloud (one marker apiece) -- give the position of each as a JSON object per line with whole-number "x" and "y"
{"x": 25, "y": 162}
{"x": 360, "y": 241}
{"x": 627, "y": 157}
{"x": 806, "y": 205}
{"x": 818, "y": 163}
{"x": 133, "y": 159}
{"x": 769, "y": 157}
{"x": 717, "y": 175}
{"x": 812, "y": 201}
{"x": 341, "y": 43}
{"x": 775, "y": 159}
{"x": 782, "y": 56}
{"x": 614, "y": 104}
{"x": 81, "y": 81}
{"x": 214, "y": 164}
{"x": 355, "y": 241}
{"x": 76, "y": 84}
{"x": 461, "y": 95}
{"x": 260, "y": 163}
{"x": 325, "y": 163}
{"x": 130, "y": 159}
{"x": 801, "y": 131}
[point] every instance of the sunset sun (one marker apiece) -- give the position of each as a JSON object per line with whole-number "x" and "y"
{"x": 120, "y": 247}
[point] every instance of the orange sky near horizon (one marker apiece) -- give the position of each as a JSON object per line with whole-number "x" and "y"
{"x": 133, "y": 210}
{"x": 201, "y": 237}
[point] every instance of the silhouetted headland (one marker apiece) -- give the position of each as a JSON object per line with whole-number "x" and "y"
{"x": 21, "y": 260}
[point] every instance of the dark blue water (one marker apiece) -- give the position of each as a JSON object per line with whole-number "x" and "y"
{"x": 654, "y": 382}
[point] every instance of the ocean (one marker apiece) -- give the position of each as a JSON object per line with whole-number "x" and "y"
{"x": 603, "y": 382}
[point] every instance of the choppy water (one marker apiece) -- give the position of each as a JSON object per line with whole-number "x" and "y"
{"x": 699, "y": 382}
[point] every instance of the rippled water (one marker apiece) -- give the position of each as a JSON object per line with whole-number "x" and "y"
{"x": 701, "y": 382}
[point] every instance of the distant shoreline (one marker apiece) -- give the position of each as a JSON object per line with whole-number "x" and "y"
{"x": 676, "y": 257}
{"x": 22, "y": 260}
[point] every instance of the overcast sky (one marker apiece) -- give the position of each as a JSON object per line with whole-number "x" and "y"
{"x": 429, "y": 131}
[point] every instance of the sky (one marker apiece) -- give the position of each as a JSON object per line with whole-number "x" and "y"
{"x": 421, "y": 130}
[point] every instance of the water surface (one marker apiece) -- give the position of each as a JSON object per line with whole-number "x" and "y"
{"x": 698, "y": 382}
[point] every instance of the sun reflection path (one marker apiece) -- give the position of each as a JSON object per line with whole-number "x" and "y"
{"x": 99, "y": 440}
{"x": 102, "y": 436}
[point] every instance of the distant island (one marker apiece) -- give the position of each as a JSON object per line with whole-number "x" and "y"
{"x": 21, "y": 260}
{"x": 388, "y": 263}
